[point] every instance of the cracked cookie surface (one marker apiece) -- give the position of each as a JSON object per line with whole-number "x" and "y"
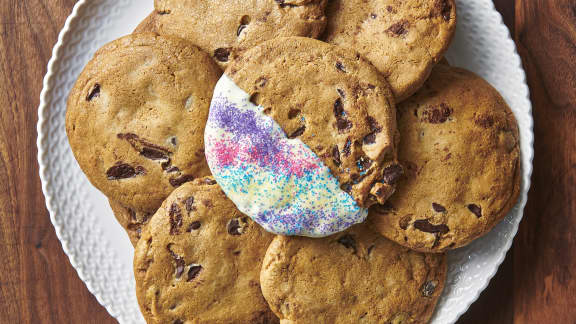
{"x": 404, "y": 39}
{"x": 199, "y": 259}
{"x": 356, "y": 276}
{"x": 335, "y": 102}
{"x": 226, "y": 28}
{"x": 136, "y": 116}
{"x": 461, "y": 154}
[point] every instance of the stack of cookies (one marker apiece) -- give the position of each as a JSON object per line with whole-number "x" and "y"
{"x": 293, "y": 161}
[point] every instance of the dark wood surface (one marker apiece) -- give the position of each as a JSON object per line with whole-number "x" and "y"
{"x": 534, "y": 285}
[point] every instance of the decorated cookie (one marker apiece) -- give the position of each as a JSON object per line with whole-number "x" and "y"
{"x": 461, "y": 155}
{"x": 301, "y": 136}
{"x": 404, "y": 39}
{"x": 199, "y": 260}
{"x": 224, "y": 29}
{"x": 353, "y": 277}
{"x": 131, "y": 220}
{"x": 136, "y": 118}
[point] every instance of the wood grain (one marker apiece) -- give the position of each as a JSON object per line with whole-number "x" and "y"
{"x": 37, "y": 283}
{"x": 534, "y": 285}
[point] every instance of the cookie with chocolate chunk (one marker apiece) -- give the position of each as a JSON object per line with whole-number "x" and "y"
{"x": 403, "y": 39}
{"x": 334, "y": 101}
{"x": 224, "y": 28}
{"x": 131, "y": 220}
{"x": 136, "y": 118}
{"x": 199, "y": 261}
{"x": 356, "y": 276}
{"x": 461, "y": 154}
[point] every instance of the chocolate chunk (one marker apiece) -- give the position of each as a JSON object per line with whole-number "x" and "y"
{"x": 95, "y": 93}
{"x": 370, "y": 139}
{"x": 234, "y": 227}
{"x": 343, "y": 124}
{"x": 194, "y": 226}
{"x": 436, "y": 114}
{"x": 373, "y": 124}
{"x": 425, "y": 226}
{"x": 338, "y": 108}
{"x": 399, "y": 29}
{"x": 363, "y": 163}
{"x": 190, "y": 204}
{"x": 429, "y": 287}
{"x": 348, "y": 242}
{"x": 293, "y": 113}
{"x": 405, "y": 221}
{"x": 340, "y": 66}
{"x": 298, "y": 132}
{"x": 171, "y": 169}
{"x": 392, "y": 174}
{"x": 347, "y": 147}
{"x": 177, "y": 182}
{"x": 175, "y": 214}
{"x": 179, "y": 268}
{"x": 194, "y": 271}
{"x": 336, "y": 155}
{"x": 444, "y": 8}
{"x": 124, "y": 171}
{"x": 222, "y": 54}
{"x": 438, "y": 208}
{"x": 153, "y": 154}
{"x": 475, "y": 209}
{"x": 178, "y": 321}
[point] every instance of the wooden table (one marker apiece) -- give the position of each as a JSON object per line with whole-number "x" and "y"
{"x": 534, "y": 285}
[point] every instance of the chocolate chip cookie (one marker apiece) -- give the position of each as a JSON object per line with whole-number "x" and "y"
{"x": 199, "y": 261}
{"x": 136, "y": 118}
{"x": 334, "y": 101}
{"x": 353, "y": 277}
{"x": 131, "y": 220}
{"x": 226, "y": 28}
{"x": 404, "y": 39}
{"x": 462, "y": 160}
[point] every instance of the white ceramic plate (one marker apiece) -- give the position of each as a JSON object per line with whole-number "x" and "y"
{"x": 98, "y": 247}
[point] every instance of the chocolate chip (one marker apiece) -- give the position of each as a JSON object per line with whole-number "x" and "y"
{"x": 172, "y": 169}
{"x": 298, "y": 132}
{"x": 373, "y": 124}
{"x": 293, "y": 113}
{"x": 392, "y": 174}
{"x": 475, "y": 209}
{"x": 347, "y": 147}
{"x": 340, "y": 66}
{"x": 390, "y": 9}
{"x": 222, "y": 54}
{"x": 343, "y": 124}
{"x": 164, "y": 12}
{"x": 261, "y": 82}
{"x": 95, "y": 93}
{"x": 124, "y": 171}
{"x": 373, "y": 16}
{"x": 341, "y": 93}
{"x": 348, "y": 242}
{"x": 445, "y": 9}
{"x": 370, "y": 139}
{"x": 399, "y": 29}
{"x": 438, "y": 208}
{"x": 405, "y": 221}
{"x": 179, "y": 268}
{"x": 338, "y": 108}
{"x": 425, "y": 226}
{"x": 210, "y": 182}
{"x": 336, "y": 155}
{"x": 194, "y": 271}
{"x": 175, "y": 214}
{"x": 174, "y": 140}
{"x": 363, "y": 163}
{"x": 153, "y": 154}
{"x": 347, "y": 187}
{"x": 177, "y": 182}
{"x": 436, "y": 114}
{"x": 429, "y": 287}
{"x": 190, "y": 204}
{"x": 194, "y": 226}
{"x": 235, "y": 227}
{"x": 178, "y": 321}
